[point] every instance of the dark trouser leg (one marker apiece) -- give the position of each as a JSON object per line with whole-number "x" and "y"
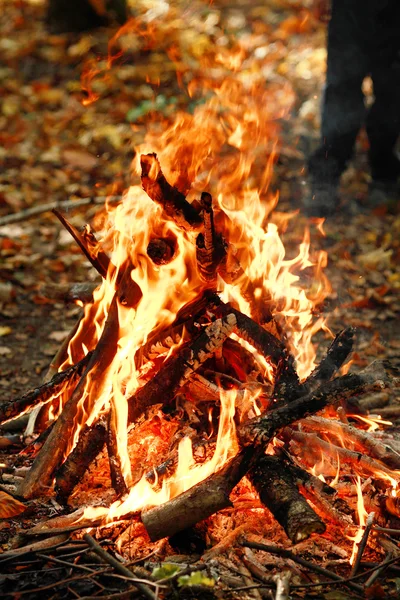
{"x": 383, "y": 120}
{"x": 343, "y": 109}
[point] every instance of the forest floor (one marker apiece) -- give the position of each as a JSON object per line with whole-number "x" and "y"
{"x": 55, "y": 146}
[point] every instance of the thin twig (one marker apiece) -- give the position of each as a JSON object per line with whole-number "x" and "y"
{"x": 300, "y": 561}
{"x": 34, "y": 211}
{"x": 362, "y": 544}
{"x": 117, "y": 565}
{"x": 374, "y": 576}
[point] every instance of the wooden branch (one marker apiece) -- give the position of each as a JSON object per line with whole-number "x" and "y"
{"x": 19, "y": 406}
{"x": 363, "y": 441}
{"x": 261, "y": 429}
{"x": 278, "y": 491}
{"x": 210, "y": 247}
{"x": 114, "y": 459}
{"x": 34, "y": 211}
{"x": 288, "y": 389}
{"x": 118, "y": 566}
{"x": 88, "y": 244}
{"x": 360, "y": 463}
{"x": 160, "y": 191}
{"x": 199, "y": 502}
{"x": 53, "y": 451}
{"x": 334, "y": 358}
{"x": 91, "y": 442}
{"x": 176, "y": 370}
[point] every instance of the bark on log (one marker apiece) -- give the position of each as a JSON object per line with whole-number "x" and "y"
{"x": 176, "y": 370}
{"x": 199, "y": 502}
{"x": 261, "y": 429}
{"x": 210, "y": 249}
{"x": 114, "y": 460}
{"x": 39, "y": 396}
{"x": 278, "y": 491}
{"x": 160, "y": 191}
{"x": 53, "y": 451}
{"x": 91, "y": 442}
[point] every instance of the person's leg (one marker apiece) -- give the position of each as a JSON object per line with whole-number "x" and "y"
{"x": 383, "y": 119}
{"x": 343, "y": 110}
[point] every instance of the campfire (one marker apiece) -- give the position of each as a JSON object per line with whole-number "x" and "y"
{"x": 190, "y": 389}
{"x": 193, "y": 367}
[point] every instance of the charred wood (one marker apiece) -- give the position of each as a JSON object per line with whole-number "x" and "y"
{"x": 117, "y": 476}
{"x": 55, "y": 447}
{"x": 199, "y": 502}
{"x": 161, "y": 250}
{"x": 91, "y": 442}
{"x": 262, "y": 428}
{"x": 176, "y": 369}
{"x": 19, "y": 406}
{"x": 171, "y": 199}
{"x": 210, "y": 248}
{"x": 88, "y": 244}
{"x": 278, "y": 492}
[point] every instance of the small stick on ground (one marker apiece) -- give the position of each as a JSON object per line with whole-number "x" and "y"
{"x": 34, "y": 211}
{"x": 119, "y": 567}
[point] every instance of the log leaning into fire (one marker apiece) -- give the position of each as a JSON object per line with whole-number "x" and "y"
{"x": 160, "y": 191}
{"x": 54, "y": 449}
{"x": 91, "y": 442}
{"x": 165, "y": 520}
{"x": 210, "y": 247}
{"x": 160, "y": 388}
{"x": 278, "y": 492}
{"x": 88, "y": 244}
{"x": 362, "y": 441}
{"x": 19, "y": 406}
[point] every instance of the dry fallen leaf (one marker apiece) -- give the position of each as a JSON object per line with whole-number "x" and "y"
{"x": 9, "y": 506}
{"x": 5, "y": 330}
{"x": 77, "y": 157}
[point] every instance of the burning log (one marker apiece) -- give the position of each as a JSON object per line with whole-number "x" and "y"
{"x": 199, "y": 502}
{"x": 160, "y": 191}
{"x": 176, "y": 370}
{"x": 91, "y": 442}
{"x": 334, "y": 358}
{"x": 54, "y": 449}
{"x": 210, "y": 248}
{"x": 88, "y": 244}
{"x": 260, "y": 429}
{"x": 39, "y": 396}
{"x": 363, "y": 441}
{"x": 361, "y": 463}
{"x": 114, "y": 459}
{"x": 278, "y": 491}
{"x": 161, "y": 250}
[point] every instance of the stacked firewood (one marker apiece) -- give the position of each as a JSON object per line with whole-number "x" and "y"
{"x": 200, "y": 367}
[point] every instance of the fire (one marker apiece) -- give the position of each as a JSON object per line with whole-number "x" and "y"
{"x": 228, "y": 146}
{"x": 362, "y": 516}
